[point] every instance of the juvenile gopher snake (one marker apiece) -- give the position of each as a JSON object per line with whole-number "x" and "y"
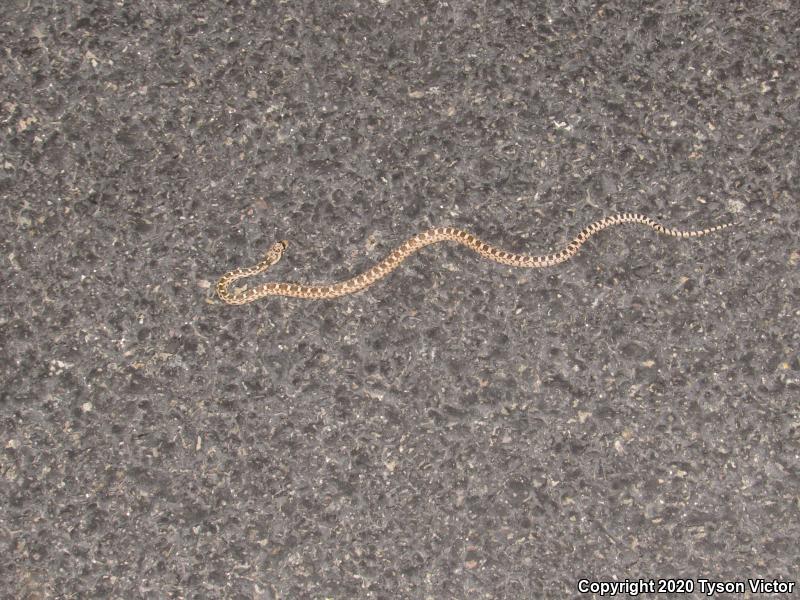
{"x": 432, "y": 236}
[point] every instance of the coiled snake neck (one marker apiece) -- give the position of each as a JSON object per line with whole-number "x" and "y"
{"x": 412, "y": 245}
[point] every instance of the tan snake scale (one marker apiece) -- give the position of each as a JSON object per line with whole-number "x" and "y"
{"x": 401, "y": 253}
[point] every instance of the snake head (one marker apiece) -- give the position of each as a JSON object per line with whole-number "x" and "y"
{"x": 276, "y": 251}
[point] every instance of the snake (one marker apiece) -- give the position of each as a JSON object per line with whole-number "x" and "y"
{"x": 416, "y": 243}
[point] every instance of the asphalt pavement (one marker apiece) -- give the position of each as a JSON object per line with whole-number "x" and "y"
{"x": 460, "y": 429}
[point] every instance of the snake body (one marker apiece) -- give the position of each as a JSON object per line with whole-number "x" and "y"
{"x": 412, "y": 245}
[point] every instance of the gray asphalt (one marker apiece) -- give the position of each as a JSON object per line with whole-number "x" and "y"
{"x": 461, "y": 429}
